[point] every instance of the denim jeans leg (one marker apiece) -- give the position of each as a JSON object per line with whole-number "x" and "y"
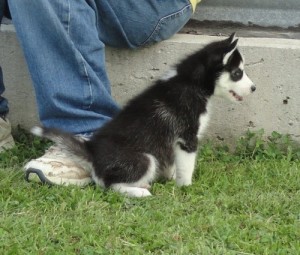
{"x": 3, "y": 101}
{"x": 133, "y": 23}
{"x": 66, "y": 60}
{"x": 64, "y": 43}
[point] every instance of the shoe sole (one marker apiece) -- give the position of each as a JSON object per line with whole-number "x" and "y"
{"x": 36, "y": 175}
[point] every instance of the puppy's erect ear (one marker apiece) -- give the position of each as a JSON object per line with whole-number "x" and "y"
{"x": 232, "y": 37}
{"x": 230, "y": 49}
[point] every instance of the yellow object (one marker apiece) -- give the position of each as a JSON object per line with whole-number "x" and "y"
{"x": 194, "y": 4}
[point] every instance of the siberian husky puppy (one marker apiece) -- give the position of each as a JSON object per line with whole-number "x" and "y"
{"x": 157, "y": 133}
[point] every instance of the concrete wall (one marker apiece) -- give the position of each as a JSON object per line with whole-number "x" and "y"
{"x": 273, "y": 64}
{"x": 266, "y": 13}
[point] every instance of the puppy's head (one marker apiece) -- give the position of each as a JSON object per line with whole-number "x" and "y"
{"x": 218, "y": 69}
{"x": 232, "y": 81}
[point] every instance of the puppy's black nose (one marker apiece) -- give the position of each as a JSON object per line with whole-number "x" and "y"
{"x": 253, "y": 88}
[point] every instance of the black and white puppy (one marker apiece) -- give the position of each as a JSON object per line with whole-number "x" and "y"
{"x": 157, "y": 133}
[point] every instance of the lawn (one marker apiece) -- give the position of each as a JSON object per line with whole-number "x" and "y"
{"x": 241, "y": 202}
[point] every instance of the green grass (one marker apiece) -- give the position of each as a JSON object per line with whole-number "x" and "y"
{"x": 241, "y": 202}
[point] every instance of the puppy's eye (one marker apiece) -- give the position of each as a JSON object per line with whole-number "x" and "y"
{"x": 236, "y": 74}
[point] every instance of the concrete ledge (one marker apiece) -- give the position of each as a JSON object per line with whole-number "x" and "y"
{"x": 262, "y": 13}
{"x": 273, "y": 64}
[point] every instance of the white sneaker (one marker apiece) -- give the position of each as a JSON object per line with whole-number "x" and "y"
{"x": 6, "y": 139}
{"x": 54, "y": 167}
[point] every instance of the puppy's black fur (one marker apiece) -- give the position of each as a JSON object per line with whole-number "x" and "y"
{"x": 156, "y": 122}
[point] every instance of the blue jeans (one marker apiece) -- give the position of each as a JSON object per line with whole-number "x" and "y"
{"x": 64, "y": 46}
{"x": 3, "y": 101}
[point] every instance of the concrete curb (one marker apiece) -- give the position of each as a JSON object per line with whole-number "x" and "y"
{"x": 273, "y": 64}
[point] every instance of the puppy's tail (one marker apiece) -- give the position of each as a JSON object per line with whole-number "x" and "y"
{"x": 72, "y": 147}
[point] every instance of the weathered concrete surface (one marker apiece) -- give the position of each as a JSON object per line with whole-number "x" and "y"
{"x": 273, "y": 64}
{"x": 279, "y": 13}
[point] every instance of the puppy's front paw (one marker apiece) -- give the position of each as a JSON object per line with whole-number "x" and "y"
{"x": 139, "y": 192}
{"x": 183, "y": 182}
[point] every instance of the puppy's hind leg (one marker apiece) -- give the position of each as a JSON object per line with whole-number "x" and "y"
{"x": 130, "y": 191}
{"x": 134, "y": 176}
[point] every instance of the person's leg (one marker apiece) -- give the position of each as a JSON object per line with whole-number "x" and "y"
{"x": 66, "y": 61}
{"x": 134, "y": 23}
{"x": 3, "y": 101}
{"x": 63, "y": 43}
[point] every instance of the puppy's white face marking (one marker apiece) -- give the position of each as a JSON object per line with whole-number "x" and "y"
{"x": 234, "y": 84}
